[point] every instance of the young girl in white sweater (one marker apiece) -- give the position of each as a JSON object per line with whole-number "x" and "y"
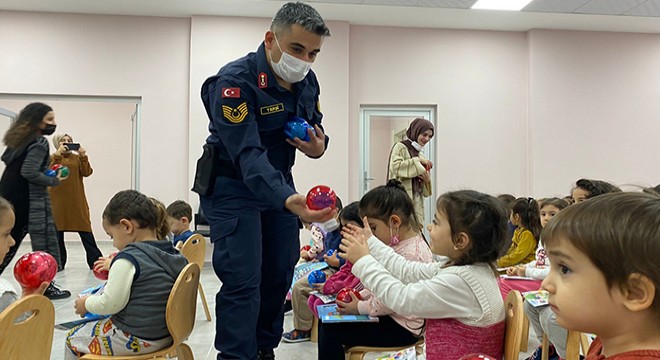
{"x": 459, "y": 296}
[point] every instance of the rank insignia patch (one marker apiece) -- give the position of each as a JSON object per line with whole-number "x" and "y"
{"x": 263, "y": 80}
{"x": 235, "y": 115}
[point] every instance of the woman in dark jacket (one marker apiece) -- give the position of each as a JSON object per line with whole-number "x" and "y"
{"x": 24, "y": 183}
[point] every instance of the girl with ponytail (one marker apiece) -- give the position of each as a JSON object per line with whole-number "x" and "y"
{"x": 526, "y": 216}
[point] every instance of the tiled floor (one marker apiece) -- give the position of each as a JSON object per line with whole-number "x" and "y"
{"x": 76, "y": 277}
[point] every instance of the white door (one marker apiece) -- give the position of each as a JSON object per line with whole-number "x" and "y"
{"x": 7, "y": 117}
{"x": 380, "y": 128}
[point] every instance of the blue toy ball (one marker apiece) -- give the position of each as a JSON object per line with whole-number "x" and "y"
{"x": 297, "y": 128}
{"x": 51, "y": 173}
{"x": 330, "y": 252}
{"x": 316, "y": 277}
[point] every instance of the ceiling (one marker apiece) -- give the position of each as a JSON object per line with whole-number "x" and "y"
{"x": 597, "y": 15}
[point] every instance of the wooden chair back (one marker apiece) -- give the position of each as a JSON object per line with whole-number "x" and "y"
{"x": 194, "y": 249}
{"x": 359, "y": 352}
{"x": 31, "y": 338}
{"x": 515, "y": 318}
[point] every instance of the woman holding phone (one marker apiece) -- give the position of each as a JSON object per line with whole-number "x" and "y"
{"x": 70, "y": 208}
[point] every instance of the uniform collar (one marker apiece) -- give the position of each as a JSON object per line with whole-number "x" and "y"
{"x": 266, "y": 77}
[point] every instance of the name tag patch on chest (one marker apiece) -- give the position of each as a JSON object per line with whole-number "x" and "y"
{"x": 271, "y": 109}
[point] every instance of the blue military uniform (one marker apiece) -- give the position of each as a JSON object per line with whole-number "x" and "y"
{"x": 256, "y": 240}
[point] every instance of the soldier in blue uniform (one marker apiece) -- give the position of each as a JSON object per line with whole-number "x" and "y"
{"x": 245, "y": 182}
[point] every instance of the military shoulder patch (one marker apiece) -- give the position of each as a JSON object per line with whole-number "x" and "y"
{"x": 235, "y": 115}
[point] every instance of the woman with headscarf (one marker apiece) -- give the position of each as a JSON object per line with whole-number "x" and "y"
{"x": 408, "y": 164}
{"x": 24, "y": 184}
{"x": 70, "y": 207}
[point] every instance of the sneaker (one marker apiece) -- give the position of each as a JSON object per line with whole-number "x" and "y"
{"x": 295, "y": 336}
{"x": 266, "y": 354}
{"x": 52, "y": 292}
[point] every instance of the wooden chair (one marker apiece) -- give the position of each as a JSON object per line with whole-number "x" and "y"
{"x": 194, "y": 249}
{"x": 359, "y": 352}
{"x": 31, "y": 338}
{"x": 180, "y": 317}
{"x": 515, "y": 319}
{"x": 574, "y": 340}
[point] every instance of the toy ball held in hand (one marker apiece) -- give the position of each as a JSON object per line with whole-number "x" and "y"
{"x": 297, "y": 128}
{"x": 60, "y": 169}
{"x": 476, "y": 357}
{"x": 101, "y": 274}
{"x": 321, "y": 197}
{"x": 316, "y": 277}
{"x": 344, "y": 295}
{"x": 34, "y": 268}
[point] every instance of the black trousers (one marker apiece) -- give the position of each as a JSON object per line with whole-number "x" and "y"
{"x": 335, "y": 337}
{"x": 92, "y": 251}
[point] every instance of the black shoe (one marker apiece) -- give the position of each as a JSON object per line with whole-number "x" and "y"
{"x": 266, "y": 354}
{"x": 54, "y": 293}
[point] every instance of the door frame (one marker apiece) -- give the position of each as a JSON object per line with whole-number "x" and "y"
{"x": 426, "y": 111}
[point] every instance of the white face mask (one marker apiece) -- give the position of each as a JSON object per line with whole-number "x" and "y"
{"x": 290, "y": 68}
{"x": 330, "y": 225}
{"x": 417, "y": 146}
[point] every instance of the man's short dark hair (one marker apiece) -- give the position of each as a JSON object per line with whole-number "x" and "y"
{"x": 301, "y": 14}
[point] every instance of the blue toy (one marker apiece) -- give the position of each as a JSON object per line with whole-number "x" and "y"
{"x": 51, "y": 172}
{"x": 330, "y": 252}
{"x": 297, "y": 128}
{"x": 316, "y": 277}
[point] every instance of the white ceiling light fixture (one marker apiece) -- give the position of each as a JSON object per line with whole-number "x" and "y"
{"x": 515, "y": 5}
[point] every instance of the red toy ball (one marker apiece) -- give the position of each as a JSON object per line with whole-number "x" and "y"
{"x": 305, "y": 248}
{"x": 477, "y": 357}
{"x": 34, "y": 268}
{"x": 321, "y": 197}
{"x": 344, "y": 295}
{"x": 101, "y": 274}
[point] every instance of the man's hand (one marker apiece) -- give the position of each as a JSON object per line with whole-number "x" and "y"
{"x": 315, "y": 147}
{"x": 297, "y": 204}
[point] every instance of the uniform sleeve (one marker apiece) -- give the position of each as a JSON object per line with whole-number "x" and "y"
{"x": 31, "y": 169}
{"x": 85, "y": 168}
{"x": 402, "y": 166}
{"x": 116, "y": 292}
{"x": 441, "y": 296}
{"x": 519, "y": 250}
{"x": 234, "y": 119}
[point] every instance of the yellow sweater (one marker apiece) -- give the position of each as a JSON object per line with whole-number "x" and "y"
{"x": 522, "y": 249}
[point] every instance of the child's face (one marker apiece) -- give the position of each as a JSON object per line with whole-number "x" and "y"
{"x": 381, "y": 230}
{"x": 177, "y": 226}
{"x": 547, "y": 213}
{"x": 515, "y": 219}
{"x": 579, "y": 295}
{"x": 6, "y": 224}
{"x": 579, "y": 194}
{"x": 440, "y": 232}
{"x": 120, "y": 233}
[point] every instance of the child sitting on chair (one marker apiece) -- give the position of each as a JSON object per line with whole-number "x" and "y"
{"x": 139, "y": 283}
{"x": 8, "y": 294}
{"x": 179, "y": 214}
{"x": 605, "y": 277}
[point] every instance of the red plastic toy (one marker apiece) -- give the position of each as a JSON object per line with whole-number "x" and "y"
{"x": 34, "y": 268}
{"x": 344, "y": 295}
{"x": 321, "y": 197}
{"x": 477, "y": 357}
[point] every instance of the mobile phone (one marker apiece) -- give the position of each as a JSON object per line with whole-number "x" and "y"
{"x": 72, "y": 146}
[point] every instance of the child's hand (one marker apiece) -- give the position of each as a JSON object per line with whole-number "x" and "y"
{"x": 79, "y": 306}
{"x": 318, "y": 287}
{"x": 40, "y": 290}
{"x": 520, "y": 271}
{"x": 511, "y": 271}
{"x": 332, "y": 260}
{"x": 349, "y": 308}
{"x": 103, "y": 263}
{"x": 354, "y": 242}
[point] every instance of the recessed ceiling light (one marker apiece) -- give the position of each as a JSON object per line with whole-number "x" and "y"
{"x": 515, "y": 5}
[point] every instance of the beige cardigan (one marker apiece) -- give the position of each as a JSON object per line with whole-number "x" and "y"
{"x": 404, "y": 168}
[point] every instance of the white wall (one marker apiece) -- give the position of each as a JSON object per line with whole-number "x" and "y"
{"x": 146, "y": 57}
{"x": 593, "y": 108}
{"x": 478, "y": 81}
{"x": 522, "y": 113}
